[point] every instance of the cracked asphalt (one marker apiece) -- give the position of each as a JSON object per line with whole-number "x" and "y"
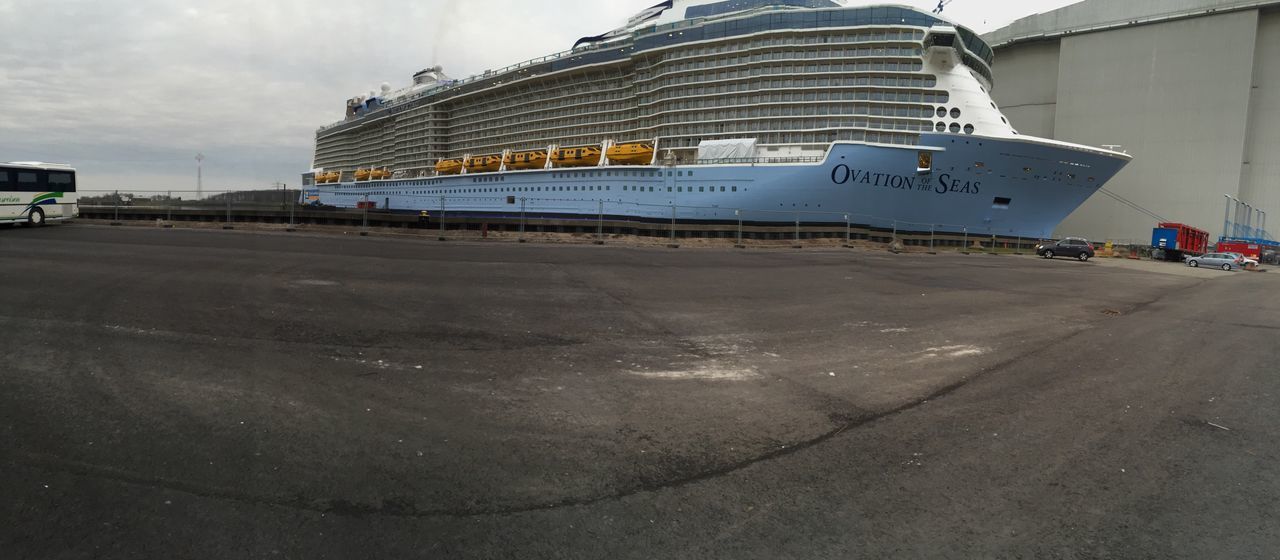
{"x": 211, "y": 394}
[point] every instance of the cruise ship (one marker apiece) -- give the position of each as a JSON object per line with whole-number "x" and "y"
{"x": 710, "y": 110}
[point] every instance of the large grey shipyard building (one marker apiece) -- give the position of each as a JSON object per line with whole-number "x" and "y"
{"x": 1190, "y": 88}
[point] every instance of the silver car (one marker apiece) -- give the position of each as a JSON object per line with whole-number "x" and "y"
{"x": 1225, "y": 261}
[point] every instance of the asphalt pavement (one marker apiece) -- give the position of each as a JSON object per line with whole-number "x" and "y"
{"x": 229, "y": 394}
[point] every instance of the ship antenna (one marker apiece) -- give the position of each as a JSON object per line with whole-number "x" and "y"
{"x": 941, "y": 4}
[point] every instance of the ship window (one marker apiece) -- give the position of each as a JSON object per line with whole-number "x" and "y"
{"x": 1001, "y": 203}
{"x": 942, "y": 112}
{"x": 721, "y": 189}
{"x": 701, "y": 189}
{"x": 955, "y": 127}
{"x": 941, "y": 127}
{"x": 968, "y": 129}
{"x": 955, "y": 113}
{"x": 735, "y": 189}
{"x": 668, "y": 189}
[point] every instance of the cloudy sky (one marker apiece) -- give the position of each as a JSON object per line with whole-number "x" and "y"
{"x": 129, "y": 91}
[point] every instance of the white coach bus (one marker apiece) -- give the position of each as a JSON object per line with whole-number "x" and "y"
{"x": 34, "y": 193}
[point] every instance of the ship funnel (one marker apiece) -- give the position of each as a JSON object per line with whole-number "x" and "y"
{"x": 429, "y": 76}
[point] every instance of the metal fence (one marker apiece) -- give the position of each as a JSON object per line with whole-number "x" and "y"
{"x": 521, "y": 217}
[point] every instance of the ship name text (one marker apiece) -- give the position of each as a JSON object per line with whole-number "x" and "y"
{"x": 843, "y": 174}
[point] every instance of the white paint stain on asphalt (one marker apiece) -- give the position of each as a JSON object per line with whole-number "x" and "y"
{"x": 950, "y": 352}
{"x": 705, "y": 373}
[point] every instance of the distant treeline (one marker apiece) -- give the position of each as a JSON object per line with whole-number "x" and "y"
{"x": 188, "y": 199}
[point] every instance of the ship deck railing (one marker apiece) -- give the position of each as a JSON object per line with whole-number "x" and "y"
{"x": 486, "y": 75}
{"x": 759, "y": 160}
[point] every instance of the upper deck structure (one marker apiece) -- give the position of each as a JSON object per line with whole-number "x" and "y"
{"x": 795, "y": 75}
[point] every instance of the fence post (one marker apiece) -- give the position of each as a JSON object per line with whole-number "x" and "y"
{"x": 441, "y": 238}
{"x": 599, "y": 222}
{"x": 673, "y": 223}
{"x": 291, "y": 208}
{"x": 895, "y": 232}
{"x": 521, "y": 238}
{"x": 364, "y": 216}
{"x": 228, "y": 225}
{"x": 964, "y": 249}
{"x": 848, "y": 231}
{"x": 1017, "y": 250}
{"x": 932, "y": 235}
{"x": 169, "y": 206}
{"x": 797, "y": 229}
{"x": 116, "y": 222}
{"x": 738, "y": 213}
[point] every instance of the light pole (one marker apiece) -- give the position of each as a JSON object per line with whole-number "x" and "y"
{"x": 1248, "y": 220}
{"x": 199, "y": 176}
{"x": 1226, "y": 218}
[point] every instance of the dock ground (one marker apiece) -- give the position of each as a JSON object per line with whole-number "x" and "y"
{"x": 228, "y": 394}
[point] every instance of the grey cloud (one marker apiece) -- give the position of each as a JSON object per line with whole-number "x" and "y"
{"x": 130, "y": 90}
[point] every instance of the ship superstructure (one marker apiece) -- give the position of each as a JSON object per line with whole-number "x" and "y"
{"x": 744, "y": 90}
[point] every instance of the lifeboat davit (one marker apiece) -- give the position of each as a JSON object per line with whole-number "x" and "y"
{"x": 449, "y": 166}
{"x": 536, "y": 159}
{"x": 632, "y": 153}
{"x": 576, "y": 157}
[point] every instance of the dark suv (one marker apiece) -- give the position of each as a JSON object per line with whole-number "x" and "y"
{"x": 1068, "y": 247}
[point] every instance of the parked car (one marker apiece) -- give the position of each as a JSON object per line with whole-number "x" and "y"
{"x": 1245, "y": 261}
{"x": 1075, "y": 247}
{"x": 1225, "y": 261}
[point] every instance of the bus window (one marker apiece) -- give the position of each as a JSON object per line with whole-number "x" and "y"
{"x": 64, "y": 182}
{"x": 27, "y": 181}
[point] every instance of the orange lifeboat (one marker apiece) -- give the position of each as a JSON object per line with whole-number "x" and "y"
{"x": 484, "y": 164}
{"x": 535, "y": 159}
{"x": 378, "y": 174}
{"x": 328, "y": 177}
{"x": 576, "y": 157}
{"x": 632, "y": 153}
{"x": 363, "y": 174}
{"x": 449, "y": 166}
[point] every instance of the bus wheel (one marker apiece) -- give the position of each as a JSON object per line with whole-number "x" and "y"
{"x": 35, "y": 218}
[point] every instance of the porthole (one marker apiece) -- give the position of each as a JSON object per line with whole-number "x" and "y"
{"x": 942, "y": 112}
{"x": 955, "y": 128}
{"x": 941, "y": 127}
{"x": 968, "y": 129}
{"x": 955, "y": 113}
